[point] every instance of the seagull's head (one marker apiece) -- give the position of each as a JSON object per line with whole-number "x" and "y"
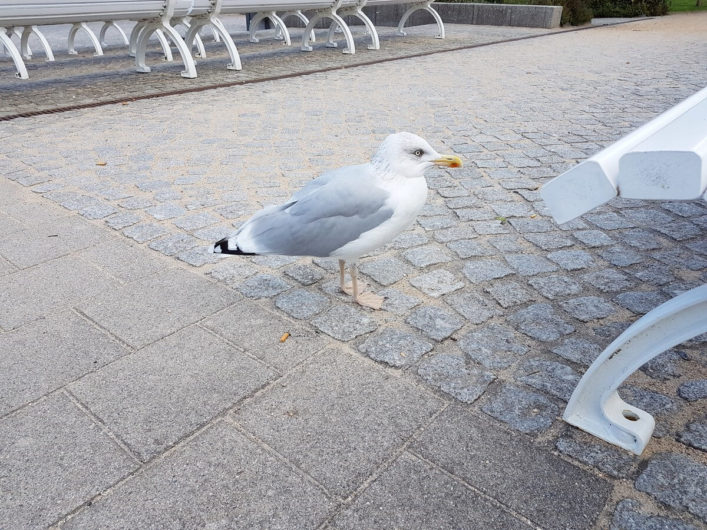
{"x": 409, "y": 155}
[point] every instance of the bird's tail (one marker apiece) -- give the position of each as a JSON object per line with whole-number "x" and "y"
{"x": 221, "y": 247}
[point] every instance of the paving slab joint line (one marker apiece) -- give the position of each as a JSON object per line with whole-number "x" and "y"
{"x": 144, "y": 466}
{"x": 378, "y": 471}
{"x": 245, "y": 352}
{"x": 480, "y": 493}
{"x": 100, "y": 423}
{"x": 272, "y": 451}
{"x": 82, "y": 106}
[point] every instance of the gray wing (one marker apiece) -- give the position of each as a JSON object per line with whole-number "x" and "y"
{"x": 325, "y": 215}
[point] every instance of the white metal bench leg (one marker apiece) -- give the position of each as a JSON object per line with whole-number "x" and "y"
{"x": 595, "y": 405}
{"x": 358, "y": 13}
{"x": 350, "y": 46}
{"x": 282, "y": 30}
{"x": 24, "y": 43}
{"x": 135, "y": 33}
{"x": 195, "y": 39}
{"x": 426, "y": 7}
{"x": 299, "y": 15}
{"x": 143, "y": 37}
{"x": 14, "y": 53}
{"x": 219, "y": 29}
{"x": 91, "y": 35}
{"x": 107, "y": 25}
{"x": 164, "y": 44}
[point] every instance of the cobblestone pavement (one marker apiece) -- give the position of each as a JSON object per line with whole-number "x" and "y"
{"x": 146, "y": 383}
{"x": 75, "y": 80}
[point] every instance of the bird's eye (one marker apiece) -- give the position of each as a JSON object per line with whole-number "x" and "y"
{"x": 418, "y": 152}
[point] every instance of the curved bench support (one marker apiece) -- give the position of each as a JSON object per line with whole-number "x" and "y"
{"x": 135, "y": 33}
{"x": 595, "y": 405}
{"x": 356, "y": 11}
{"x": 426, "y": 7}
{"x": 14, "y": 53}
{"x": 337, "y": 20}
{"x": 24, "y": 43}
{"x": 195, "y": 40}
{"x": 141, "y": 45}
{"x": 219, "y": 30}
{"x": 91, "y": 35}
{"x": 106, "y": 26}
{"x": 282, "y": 31}
{"x": 297, "y": 13}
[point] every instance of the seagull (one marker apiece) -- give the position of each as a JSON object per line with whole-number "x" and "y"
{"x": 346, "y": 212}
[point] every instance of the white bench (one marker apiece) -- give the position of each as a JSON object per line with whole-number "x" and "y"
{"x": 152, "y": 16}
{"x": 666, "y": 159}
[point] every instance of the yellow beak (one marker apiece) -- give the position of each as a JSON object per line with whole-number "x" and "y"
{"x": 448, "y": 161}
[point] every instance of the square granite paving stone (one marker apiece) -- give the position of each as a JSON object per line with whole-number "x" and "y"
{"x": 578, "y": 350}
{"x": 693, "y": 390}
{"x": 495, "y": 346}
{"x": 51, "y": 286}
{"x": 411, "y": 493}
{"x": 678, "y": 481}
{"x": 529, "y": 264}
{"x": 520, "y": 408}
{"x": 695, "y": 434}
{"x": 345, "y": 322}
{"x": 145, "y": 232}
{"x": 608, "y": 280}
{"x": 218, "y": 479}
{"x": 640, "y": 302}
{"x": 587, "y": 308}
{"x": 302, "y": 303}
{"x": 508, "y": 293}
{"x": 551, "y": 377}
{"x": 508, "y": 467}
{"x": 449, "y": 373}
{"x": 338, "y": 418}
{"x": 386, "y": 271}
{"x": 435, "y": 322}
{"x": 263, "y": 286}
{"x": 305, "y": 274}
{"x": 628, "y": 516}
{"x": 54, "y": 459}
{"x": 258, "y": 331}
{"x": 594, "y": 452}
{"x": 48, "y": 241}
{"x": 549, "y": 240}
{"x": 425, "y": 256}
{"x": 158, "y": 395}
{"x": 541, "y": 322}
{"x": 398, "y": 302}
{"x": 481, "y": 270}
{"x": 152, "y": 307}
{"x": 48, "y": 353}
{"x": 467, "y": 248}
{"x": 395, "y": 347}
{"x": 593, "y": 238}
{"x": 174, "y": 244}
{"x": 437, "y": 283}
{"x": 621, "y": 256}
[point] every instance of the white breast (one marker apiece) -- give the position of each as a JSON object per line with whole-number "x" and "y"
{"x": 407, "y": 197}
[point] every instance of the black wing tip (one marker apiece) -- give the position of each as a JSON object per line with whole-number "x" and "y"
{"x": 221, "y": 247}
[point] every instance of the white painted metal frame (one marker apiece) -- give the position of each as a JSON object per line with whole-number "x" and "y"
{"x": 666, "y": 159}
{"x": 595, "y": 405}
{"x": 597, "y": 180}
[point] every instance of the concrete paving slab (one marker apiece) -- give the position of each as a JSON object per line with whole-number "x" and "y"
{"x": 337, "y": 418}
{"x": 414, "y": 494}
{"x": 121, "y": 260}
{"x": 49, "y": 353}
{"x": 219, "y": 479}
{"x": 54, "y": 459}
{"x": 31, "y": 293}
{"x": 158, "y": 395}
{"x": 507, "y": 466}
{"x": 259, "y": 331}
{"x": 144, "y": 311}
{"x": 54, "y": 239}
